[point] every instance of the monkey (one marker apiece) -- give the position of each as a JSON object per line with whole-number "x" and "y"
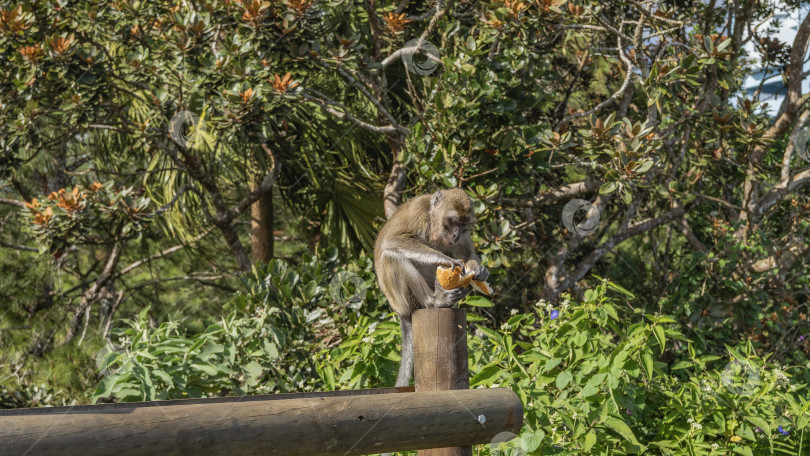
{"x": 425, "y": 232}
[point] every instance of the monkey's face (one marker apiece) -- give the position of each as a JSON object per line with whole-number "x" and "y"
{"x": 452, "y": 229}
{"x": 450, "y": 218}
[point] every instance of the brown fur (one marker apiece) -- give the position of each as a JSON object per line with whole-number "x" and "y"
{"x": 425, "y": 232}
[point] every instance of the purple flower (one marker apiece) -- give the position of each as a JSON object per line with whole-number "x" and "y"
{"x": 801, "y": 338}
{"x": 554, "y": 314}
{"x": 628, "y": 411}
{"x": 782, "y": 431}
{"x": 758, "y": 429}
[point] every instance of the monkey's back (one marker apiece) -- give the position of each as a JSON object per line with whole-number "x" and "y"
{"x": 410, "y": 220}
{"x": 410, "y": 223}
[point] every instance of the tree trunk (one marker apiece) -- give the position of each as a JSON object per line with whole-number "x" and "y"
{"x": 261, "y": 227}
{"x": 392, "y": 195}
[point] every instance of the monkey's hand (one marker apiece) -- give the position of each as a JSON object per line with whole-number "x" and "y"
{"x": 452, "y": 262}
{"x": 448, "y": 298}
{"x": 481, "y": 273}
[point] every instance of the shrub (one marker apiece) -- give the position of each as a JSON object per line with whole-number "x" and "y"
{"x": 589, "y": 374}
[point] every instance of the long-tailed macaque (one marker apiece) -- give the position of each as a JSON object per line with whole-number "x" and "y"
{"x": 425, "y": 232}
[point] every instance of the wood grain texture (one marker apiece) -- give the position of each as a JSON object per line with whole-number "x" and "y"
{"x": 440, "y": 360}
{"x": 341, "y": 424}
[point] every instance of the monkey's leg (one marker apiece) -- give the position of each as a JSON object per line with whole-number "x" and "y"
{"x": 405, "y": 285}
{"x": 406, "y": 366}
{"x": 447, "y": 298}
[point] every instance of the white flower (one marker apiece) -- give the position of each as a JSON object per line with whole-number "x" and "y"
{"x": 513, "y": 312}
{"x": 372, "y": 327}
{"x": 479, "y": 333}
{"x": 781, "y": 378}
{"x": 505, "y": 327}
{"x": 690, "y": 420}
{"x": 696, "y": 426}
{"x": 715, "y": 446}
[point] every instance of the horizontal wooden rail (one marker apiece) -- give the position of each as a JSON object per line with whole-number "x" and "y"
{"x": 342, "y": 423}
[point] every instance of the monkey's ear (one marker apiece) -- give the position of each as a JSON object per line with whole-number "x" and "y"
{"x": 435, "y": 199}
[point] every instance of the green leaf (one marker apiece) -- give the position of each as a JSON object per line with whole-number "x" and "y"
{"x": 486, "y": 376}
{"x": 563, "y": 379}
{"x": 478, "y": 301}
{"x": 163, "y": 376}
{"x": 644, "y": 167}
{"x": 608, "y": 187}
{"x": 105, "y": 387}
{"x": 757, "y": 421}
{"x": 254, "y": 371}
{"x": 681, "y": 365}
{"x": 660, "y": 336}
{"x": 590, "y": 440}
{"x": 207, "y": 368}
{"x": 531, "y": 441}
{"x": 620, "y": 289}
{"x": 550, "y": 364}
{"x": 621, "y": 428}
{"x": 592, "y": 385}
{"x": 647, "y": 361}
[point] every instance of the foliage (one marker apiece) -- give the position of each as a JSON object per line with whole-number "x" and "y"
{"x": 637, "y": 109}
{"x": 590, "y": 375}
{"x": 33, "y": 396}
{"x": 96, "y": 215}
{"x": 592, "y": 382}
{"x": 262, "y": 345}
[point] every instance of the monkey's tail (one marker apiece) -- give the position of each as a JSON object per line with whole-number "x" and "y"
{"x": 406, "y": 365}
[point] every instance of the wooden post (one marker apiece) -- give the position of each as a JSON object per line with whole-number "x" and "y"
{"x": 440, "y": 359}
{"x": 345, "y": 423}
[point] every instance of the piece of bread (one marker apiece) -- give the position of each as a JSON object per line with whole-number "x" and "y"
{"x": 450, "y": 278}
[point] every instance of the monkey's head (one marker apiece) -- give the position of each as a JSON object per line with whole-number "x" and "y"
{"x": 451, "y": 217}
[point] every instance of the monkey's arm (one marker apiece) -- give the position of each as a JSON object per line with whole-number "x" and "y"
{"x": 417, "y": 252}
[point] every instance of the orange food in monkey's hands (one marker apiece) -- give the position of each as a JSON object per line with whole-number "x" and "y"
{"x": 450, "y": 278}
